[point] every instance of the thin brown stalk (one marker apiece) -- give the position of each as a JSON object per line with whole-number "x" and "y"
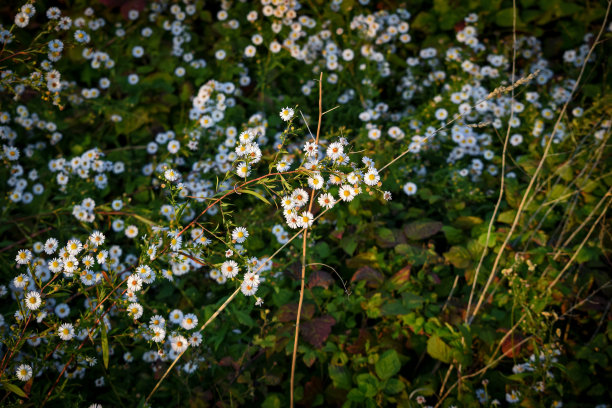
{"x": 303, "y": 277}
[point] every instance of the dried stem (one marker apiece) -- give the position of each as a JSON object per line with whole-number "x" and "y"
{"x": 303, "y": 277}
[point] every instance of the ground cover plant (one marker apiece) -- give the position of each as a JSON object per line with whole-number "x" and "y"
{"x": 305, "y": 203}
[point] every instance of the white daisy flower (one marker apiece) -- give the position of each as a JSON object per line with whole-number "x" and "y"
{"x": 134, "y": 283}
{"x": 51, "y": 246}
{"x": 335, "y": 150}
{"x": 315, "y": 182}
{"x": 66, "y": 331}
{"x": 158, "y": 334}
{"x": 347, "y": 193}
{"x": 305, "y": 219}
{"x": 32, "y": 300}
{"x": 189, "y": 321}
{"x": 229, "y": 269}
{"x": 23, "y": 256}
{"x": 299, "y": 197}
{"x": 21, "y": 281}
{"x": 176, "y": 316}
{"x": 286, "y": 114}
{"x": 135, "y": 310}
{"x": 179, "y": 344}
{"x": 410, "y": 188}
{"x": 371, "y": 178}
{"x": 326, "y": 200}
{"x": 248, "y": 289}
{"x": 24, "y": 372}
{"x": 240, "y": 234}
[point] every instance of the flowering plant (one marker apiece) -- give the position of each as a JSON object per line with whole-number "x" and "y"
{"x": 194, "y": 192}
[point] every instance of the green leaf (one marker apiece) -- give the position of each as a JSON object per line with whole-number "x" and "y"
{"x": 256, "y": 194}
{"x": 340, "y": 377}
{"x": 104, "y": 346}
{"x": 458, "y": 256}
{"x": 414, "y": 255}
{"x": 482, "y": 239}
{"x": 453, "y": 235}
{"x": 388, "y": 365}
{"x": 438, "y": 349}
{"x": 505, "y": 17}
{"x": 425, "y": 22}
{"x": 507, "y": 217}
{"x": 393, "y": 308}
{"x": 14, "y": 389}
{"x": 349, "y": 244}
{"x": 272, "y": 401}
{"x": 355, "y": 395}
{"x": 412, "y": 301}
{"x": 322, "y": 249}
{"x": 422, "y": 229}
{"x": 385, "y": 237}
{"x": 467, "y": 222}
{"x": 368, "y": 384}
{"x": 243, "y": 317}
{"x": 394, "y": 386}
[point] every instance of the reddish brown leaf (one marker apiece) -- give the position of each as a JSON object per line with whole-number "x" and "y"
{"x": 359, "y": 345}
{"x": 126, "y": 6}
{"x": 288, "y": 313}
{"x": 368, "y": 274}
{"x": 317, "y": 330}
{"x": 312, "y": 388}
{"x": 320, "y": 278}
{"x": 227, "y": 361}
{"x": 510, "y": 346}
{"x": 309, "y": 359}
{"x": 402, "y": 276}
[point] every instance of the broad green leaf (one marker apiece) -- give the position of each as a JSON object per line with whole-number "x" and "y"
{"x": 507, "y": 217}
{"x": 243, "y": 317}
{"x": 422, "y": 229}
{"x": 340, "y": 376}
{"x": 467, "y": 222}
{"x": 394, "y": 386}
{"x": 453, "y": 235}
{"x": 388, "y": 365}
{"x": 438, "y": 349}
{"x": 482, "y": 239}
{"x": 368, "y": 384}
{"x": 394, "y": 307}
{"x": 458, "y": 256}
{"x": 322, "y": 249}
{"x": 349, "y": 244}
{"x": 272, "y": 401}
{"x": 355, "y": 395}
